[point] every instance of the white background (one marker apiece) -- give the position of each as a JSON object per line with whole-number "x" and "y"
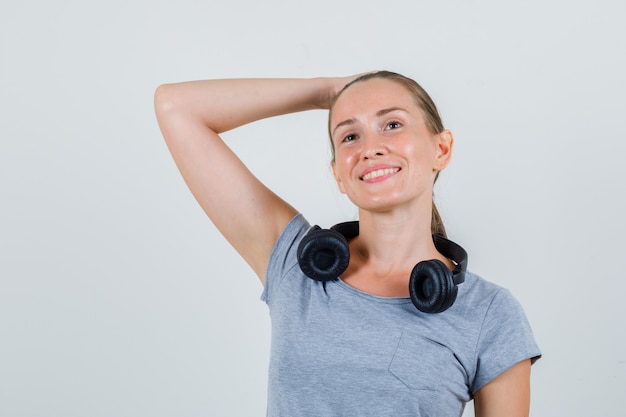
{"x": 119, "y": 298}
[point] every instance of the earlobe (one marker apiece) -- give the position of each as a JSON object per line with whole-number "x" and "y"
{"x": 444, "y": 149}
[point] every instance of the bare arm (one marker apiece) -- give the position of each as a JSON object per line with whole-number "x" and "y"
{"x": 192, "y": 114}
{"x": 508, "y": 395}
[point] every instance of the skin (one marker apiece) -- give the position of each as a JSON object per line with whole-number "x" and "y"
{"x": 192, "y": 114}
{"x": 376, "y": 128}
{"x": 376, "y": 125}
{"x": 506, "y": 395}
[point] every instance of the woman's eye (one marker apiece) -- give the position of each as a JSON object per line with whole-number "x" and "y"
{"x": 393, "y": 125}
{"x": 349, "y": 138}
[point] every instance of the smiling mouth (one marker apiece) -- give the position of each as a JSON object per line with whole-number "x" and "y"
{"x": 379, "y": 173}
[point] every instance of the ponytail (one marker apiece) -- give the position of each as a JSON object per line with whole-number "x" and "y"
{"x": 436, "y": 223}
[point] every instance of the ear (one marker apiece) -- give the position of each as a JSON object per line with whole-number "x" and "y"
{"x": 445, "y": 142}
{"x": 339, "y": 183}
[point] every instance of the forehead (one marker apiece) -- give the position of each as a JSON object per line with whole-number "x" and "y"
{"x": 367, "y": 97}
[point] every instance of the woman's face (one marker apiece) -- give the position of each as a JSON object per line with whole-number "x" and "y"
{"x": 385, "y": 155}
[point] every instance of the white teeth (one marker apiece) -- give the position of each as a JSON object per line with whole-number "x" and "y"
{"x": 379, "y": 173}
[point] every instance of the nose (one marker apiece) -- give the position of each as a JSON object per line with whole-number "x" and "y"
{"x": 373, "y": 146}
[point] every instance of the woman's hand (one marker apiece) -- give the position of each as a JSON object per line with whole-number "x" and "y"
{"x": 335, "y": 85}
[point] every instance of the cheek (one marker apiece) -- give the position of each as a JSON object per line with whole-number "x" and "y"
{"x": 336, "y": 174}
{"x": 343, "y": 168}
{"x": 426, "y": 154}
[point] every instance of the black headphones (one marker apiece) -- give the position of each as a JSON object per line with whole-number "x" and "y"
{"x": 323, "y": 255}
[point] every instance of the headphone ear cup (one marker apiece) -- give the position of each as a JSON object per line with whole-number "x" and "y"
{"x": 431, "y": 286}
{"x": 323, "y": 254}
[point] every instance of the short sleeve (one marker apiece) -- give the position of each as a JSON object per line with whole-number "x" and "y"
{"x": 506, "y": 339}
{"x": 284, "y": 255}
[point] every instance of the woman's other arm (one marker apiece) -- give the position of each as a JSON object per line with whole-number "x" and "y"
{"x": 507, "y": 395}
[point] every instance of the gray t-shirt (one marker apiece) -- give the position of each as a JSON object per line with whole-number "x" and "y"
{"x": 338, "y": 351}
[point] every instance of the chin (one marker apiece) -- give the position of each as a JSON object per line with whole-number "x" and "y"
{"x": 378, "y": 204}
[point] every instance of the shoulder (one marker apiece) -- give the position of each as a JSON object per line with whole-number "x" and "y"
{"x": 290, "y": 237}
{"x": 477, "y": 292}
{"x": 283, "y": 257}
{"x": 489, "y": 298}
{"x": 504, "y": 336}
{"x": 489, "y": 305}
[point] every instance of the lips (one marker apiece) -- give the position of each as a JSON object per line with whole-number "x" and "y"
{"x": 378, "y": 173}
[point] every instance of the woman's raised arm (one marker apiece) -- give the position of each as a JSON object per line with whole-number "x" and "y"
{"x": 192, "y": 114}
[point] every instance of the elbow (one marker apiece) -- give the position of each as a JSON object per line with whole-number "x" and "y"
{"x": 178, "y": 106}
{"x": 168, "y": 108}
{"x": 164, "y": 100}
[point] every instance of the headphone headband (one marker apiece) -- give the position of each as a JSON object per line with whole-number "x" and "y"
{"x": 455, "y": 253}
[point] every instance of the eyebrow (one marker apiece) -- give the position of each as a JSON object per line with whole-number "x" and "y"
{"x": 379, "y": 113}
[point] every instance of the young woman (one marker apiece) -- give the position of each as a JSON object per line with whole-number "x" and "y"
{"x": 366, "y": 339}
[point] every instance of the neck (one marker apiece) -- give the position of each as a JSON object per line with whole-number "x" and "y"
{"x": 394, "y": 242}
{"x": 387, "y": 248}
